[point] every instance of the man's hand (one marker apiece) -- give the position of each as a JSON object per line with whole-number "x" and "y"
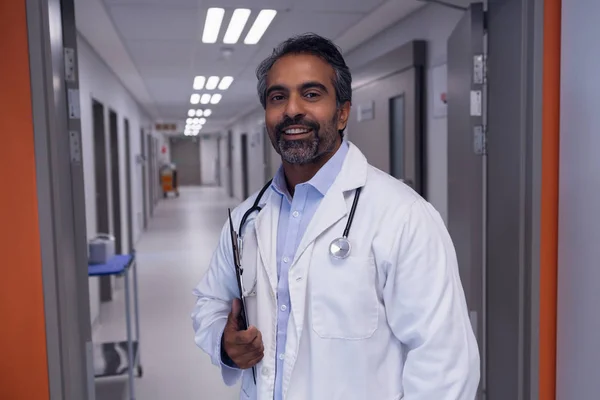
{"x": 245, "y": 348}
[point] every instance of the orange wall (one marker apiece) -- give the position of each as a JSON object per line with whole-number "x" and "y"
{"x": 549, "y": 209}
{"x": 23, "y": 362}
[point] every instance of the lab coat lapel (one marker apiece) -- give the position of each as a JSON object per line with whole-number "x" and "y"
{"x": 266, "y": 235}
{"x": 334, "y": 206}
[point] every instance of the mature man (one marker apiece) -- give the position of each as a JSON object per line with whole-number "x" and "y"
{"x": 350, "y": 278}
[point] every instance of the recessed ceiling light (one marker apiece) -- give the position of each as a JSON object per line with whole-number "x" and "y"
{"x": 188, "y": 121}
{"x": 262, "y": 22}
{"x": 207, "y": 112}
{"x": 225, "y": 82}
{"x": 212, "y": 25}
{"x": 205, "y": 98}
{"x": 216, "y": 98}
{"x": 198, "y": 113}
{"x": 191, "y": 113}
{"x": 236, "y": 25}
{"x": 202, "y": 121}
{"x": 195, "y": 98}
{"x": 212, "y": 83}
{"x": 199, "y": 82}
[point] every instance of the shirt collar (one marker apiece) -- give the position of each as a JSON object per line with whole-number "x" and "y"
{"x": 322, "y": 180}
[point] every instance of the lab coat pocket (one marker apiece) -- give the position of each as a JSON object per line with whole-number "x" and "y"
{"x": 344, "y": 298}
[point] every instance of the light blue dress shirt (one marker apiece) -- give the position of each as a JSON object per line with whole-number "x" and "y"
{"x": 296, "y": 212}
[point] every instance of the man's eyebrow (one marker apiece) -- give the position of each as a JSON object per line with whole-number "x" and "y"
{"x": 314, "y": 85}
{"x": 276, "y": 88}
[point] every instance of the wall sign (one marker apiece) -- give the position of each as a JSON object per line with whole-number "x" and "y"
{"x": 366, "y": 111}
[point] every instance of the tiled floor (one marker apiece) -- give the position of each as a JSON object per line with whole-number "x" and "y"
{"x": 172, "y": 256}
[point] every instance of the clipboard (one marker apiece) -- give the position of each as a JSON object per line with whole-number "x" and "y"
{"x": 238, "y": 274}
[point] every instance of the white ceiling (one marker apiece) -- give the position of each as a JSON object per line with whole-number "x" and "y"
{"x": 155, "y": 47}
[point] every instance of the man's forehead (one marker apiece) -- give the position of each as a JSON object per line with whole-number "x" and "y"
{"x": 296, "y": 69}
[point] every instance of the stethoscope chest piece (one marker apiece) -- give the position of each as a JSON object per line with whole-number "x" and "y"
{"x": 340, "y": 248}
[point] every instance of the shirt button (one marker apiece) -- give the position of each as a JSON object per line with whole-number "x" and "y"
{"x": 283, "y": 307}
{"x": 296, "y": 214}
{"x": 286, "y": 260}
{"x": 265, "y": 371}
{"x": 281, "y": 356}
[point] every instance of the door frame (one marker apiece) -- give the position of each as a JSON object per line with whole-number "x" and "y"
{"x": 115, "y": 175}
{"x": 128, "y": 186}
{"x": 230, "y": 163}
{"x": 144, "y": 165}
{"x": 100, "y": 170}
{"x": 244, "y": 148}
{"x": 515, "y": 98}
{"x": 61, "y": 199}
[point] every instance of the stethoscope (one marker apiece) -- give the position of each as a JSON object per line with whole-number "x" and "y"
{"x": 339, "y": 248}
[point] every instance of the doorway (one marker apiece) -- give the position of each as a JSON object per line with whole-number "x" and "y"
{"x": 397, "y": 136}
{"x": 100, "y": 167}
{"x": 267, "y": 162}
{"x": 115, "y": 182}
{"x": 218, "y": 170}
{"x": 230, "y": 163}
{"x": 151, "y": 184}
{"x": 185, "y": 154}
{"x": 101, "y": 177}
{"x": 129, "y": 199}
{"x": 391, "y": 114}
{"x": 244, "y": 144}
{"x": 144, "y": 153}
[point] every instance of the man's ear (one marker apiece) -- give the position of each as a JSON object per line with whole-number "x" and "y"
{"x": 343, "y": 115}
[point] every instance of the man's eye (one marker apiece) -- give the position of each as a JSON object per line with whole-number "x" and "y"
{"x": 311, "y": 95}
{"x": 277, "y": 97}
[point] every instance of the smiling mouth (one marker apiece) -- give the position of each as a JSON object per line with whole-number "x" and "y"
{"x": 296, "y": 131}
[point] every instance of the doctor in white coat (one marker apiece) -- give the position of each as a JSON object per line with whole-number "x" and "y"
{"x": 386, "y": 322}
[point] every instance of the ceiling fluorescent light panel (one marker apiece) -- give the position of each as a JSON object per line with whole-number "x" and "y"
{"x": 212, "y": 25}
{"x": 199, "y": 82}
{"x": 225, "y": 82}
{"x": 205, "y": 99}
{"x": 216, "y": 98}
{"x": 258, "y": 29}
{"x": 236, "y": 25}
{"x": 212, "y": 83}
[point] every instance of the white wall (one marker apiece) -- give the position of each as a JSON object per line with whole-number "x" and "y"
{"x": 97, "y": 82}
{"x": 209, "y": 157}
{"x": 252, "y": 124}
{"x": 578, "y": 351}
{"x": 432, "y": 23}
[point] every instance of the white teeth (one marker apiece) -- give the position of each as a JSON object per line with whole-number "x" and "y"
{"x": 296, "y": 131}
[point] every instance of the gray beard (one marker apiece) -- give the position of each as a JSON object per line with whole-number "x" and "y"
{"x": 299, "y": 152}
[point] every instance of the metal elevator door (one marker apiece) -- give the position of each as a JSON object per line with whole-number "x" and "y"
{"x": 466, "y": 162}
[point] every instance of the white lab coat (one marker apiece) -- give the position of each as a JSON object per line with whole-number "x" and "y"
{"x": 390, "y": 322}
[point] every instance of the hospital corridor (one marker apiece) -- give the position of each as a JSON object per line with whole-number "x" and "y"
{"x": 299, "y": 200}
{"x": 173, "y": 253}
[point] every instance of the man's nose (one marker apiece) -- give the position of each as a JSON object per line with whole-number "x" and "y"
{"x": 294, "y": 107}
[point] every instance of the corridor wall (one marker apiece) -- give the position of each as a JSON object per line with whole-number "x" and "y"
{"x": 578, "y": 204}
{"x": 98, "y": 82}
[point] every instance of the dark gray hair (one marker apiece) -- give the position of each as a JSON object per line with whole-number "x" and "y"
{"x": 316, "y": 45}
